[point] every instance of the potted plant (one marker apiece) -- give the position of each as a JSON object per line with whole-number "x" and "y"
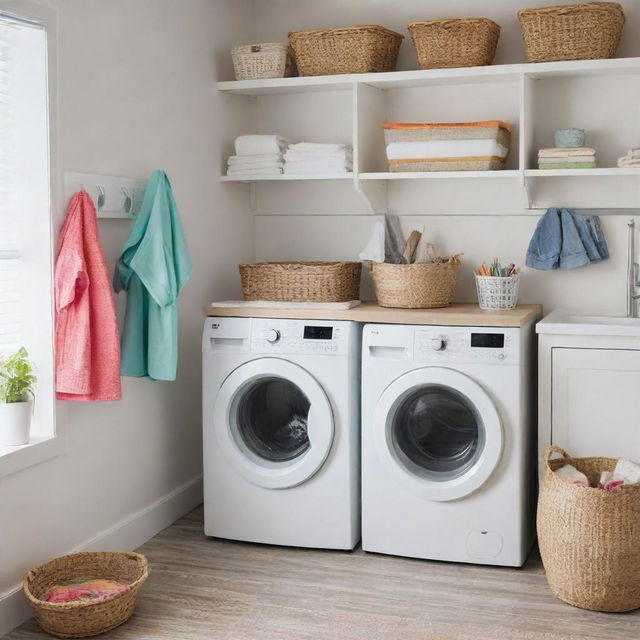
{"x": 17, "y": 390}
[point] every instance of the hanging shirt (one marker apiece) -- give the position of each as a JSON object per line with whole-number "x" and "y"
{"x": 153, "y": 268}
{"x": 87, "y": 342}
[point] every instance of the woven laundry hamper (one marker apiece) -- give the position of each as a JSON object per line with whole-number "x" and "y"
{"x": 589, "y": 538}
{"x": 572, "y": 32}
{"x": 85, "y": 618}
{"x": 416, "y": 286}
{"x": 461, "y": 42}
{"x": 301, "y": 281}
{"x": 366, "y": 48}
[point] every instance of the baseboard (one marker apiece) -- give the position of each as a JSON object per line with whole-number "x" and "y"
{"x": 126, "y": 535}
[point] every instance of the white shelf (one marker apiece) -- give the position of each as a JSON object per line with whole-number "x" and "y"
{"x": 288, "y": 177}
{"x": 438, "y": 175}
{"x": 420, "y": 78}
{"x": 581, "y": 173}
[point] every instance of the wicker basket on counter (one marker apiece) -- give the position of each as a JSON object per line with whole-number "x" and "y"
{"x": 362, "y": 49}
{"x": 85, "y": 618}
{"x": 301, "y": 281}
{"x": 572, "y": 32}
{"x": 588, "y": 537}
{"x": 464, "y": 42}
{"x": 416, "y": 286}
{"x": 266, "y": 60}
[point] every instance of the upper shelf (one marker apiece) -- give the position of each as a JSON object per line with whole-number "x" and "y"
{"x": 419, "y": 78}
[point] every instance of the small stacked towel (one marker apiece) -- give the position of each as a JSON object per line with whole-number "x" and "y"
{"x": 567, "y": 158}
{"x": 631, "y": 160}
{"x": 257, "y": 156}
{"x": 308, "y": 158}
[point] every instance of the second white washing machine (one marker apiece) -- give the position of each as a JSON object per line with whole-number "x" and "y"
{"x": 448, "y": 457}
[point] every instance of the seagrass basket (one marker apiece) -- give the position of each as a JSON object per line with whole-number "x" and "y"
{"x": 362, "y": 49}
{"x": 85, "y": 618}
{"x": 416, "y": 286}
{"x": 572, "y": 32}
{"x": 589, "y": 537}
{"x": 301, "y": 281}
{"x": 463, "y": 42}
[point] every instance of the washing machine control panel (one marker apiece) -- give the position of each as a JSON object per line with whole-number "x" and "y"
{"x": 466, "y": 344}
{"x": 299, "y": 337}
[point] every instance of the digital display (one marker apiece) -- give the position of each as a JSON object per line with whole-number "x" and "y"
{"x": 318, "y": 333}
{"x": 489, "y": 340}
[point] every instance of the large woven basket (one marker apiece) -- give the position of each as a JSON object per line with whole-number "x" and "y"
{"x": 267, "y": 60}
{"x": 589, "y": 538}
{"x": 85, "y": 618}
{"x": 572, "y": 32}
{"x": 301, "y": 281}
{"x": 416, "y": 286}
{"x": 362, "y": 49}
{"x": 464, "y": 42}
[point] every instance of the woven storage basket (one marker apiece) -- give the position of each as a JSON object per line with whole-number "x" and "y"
{"x": 85, "y": 618}
{"x": 496, "y": 292}
{"x": 589, "y": 538}
{"x": 267, "y": 60}
{"x": 465, "y": 42}
{"x": 572, "y": 32}
{"x": 362, "y": 49}
{"x": 416, "y": 286}
{"x": 301, "y": 281}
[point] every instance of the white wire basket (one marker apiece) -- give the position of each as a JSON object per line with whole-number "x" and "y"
{"x": 497, "y": 293}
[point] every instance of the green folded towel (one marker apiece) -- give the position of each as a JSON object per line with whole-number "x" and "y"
{"x": 567, "y": 165}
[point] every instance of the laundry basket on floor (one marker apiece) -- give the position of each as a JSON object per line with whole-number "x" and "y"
{"x": 589, "y": 538}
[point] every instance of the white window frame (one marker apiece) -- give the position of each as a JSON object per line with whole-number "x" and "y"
{"x": 45, "y": 443}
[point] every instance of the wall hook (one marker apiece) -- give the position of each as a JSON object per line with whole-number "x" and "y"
{"x": 128, "y": 200}
{"x": 101, "y": 196}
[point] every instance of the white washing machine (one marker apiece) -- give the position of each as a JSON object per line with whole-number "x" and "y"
{"x": 448, "y": 457}
{"x": 281, "y": 427}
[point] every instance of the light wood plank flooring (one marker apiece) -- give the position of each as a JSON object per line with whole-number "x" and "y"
{"x": 214, "y": 589}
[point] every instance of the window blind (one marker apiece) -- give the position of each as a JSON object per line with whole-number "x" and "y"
{"x": 10, "y": 320}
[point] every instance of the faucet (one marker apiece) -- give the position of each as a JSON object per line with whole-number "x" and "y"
{"x": 632, "y": 273}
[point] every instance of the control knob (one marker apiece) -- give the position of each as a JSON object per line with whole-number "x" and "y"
{"x": 272, "y": 336}
{"x": 438, "y": 344}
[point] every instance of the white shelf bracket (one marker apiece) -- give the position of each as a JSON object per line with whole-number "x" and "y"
{"x": 525, "y": 183}
{"x": 374, "y": 194}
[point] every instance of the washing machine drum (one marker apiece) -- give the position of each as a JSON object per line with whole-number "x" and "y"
{"x": 274, "y": 422}
{"x": 437, "y": 430}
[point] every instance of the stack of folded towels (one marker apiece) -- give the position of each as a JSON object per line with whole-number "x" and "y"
{"x": 309, "y": 158}
{"x": 632, "y": 159}
{"x": 567, "y": 158}
{"x": 257, "y": 156}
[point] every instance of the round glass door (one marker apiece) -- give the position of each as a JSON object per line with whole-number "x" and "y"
{"x": 436, "y": 431}
{"x": 273, "y": 422}
{"x": 273, "y": 415}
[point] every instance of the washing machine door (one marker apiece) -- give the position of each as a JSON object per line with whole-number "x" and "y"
{"x": 273, "y": 422}
{"x": 438, "y": 432}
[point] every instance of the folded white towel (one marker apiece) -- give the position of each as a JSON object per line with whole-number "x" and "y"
{"x": 316, "y": 146}
{"x": 304, "y": 169}
{"x": 264, "y": 171}
{"x": 326, "y": 164}
{"x": 445, "y": 149}
{"x": 259, "y": 144}
{"x": 627, "y": 162}
{"x": 324, "y": 155}
{"x": 570, "y": 473}
{"x": 565, "y": 160}
{"x": 634, "y": 153}
{"x": 560, "y": 152}
{"x": 260, "y": 157}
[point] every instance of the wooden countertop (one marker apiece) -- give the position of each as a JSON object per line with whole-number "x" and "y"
{"x": 461, "y": 315}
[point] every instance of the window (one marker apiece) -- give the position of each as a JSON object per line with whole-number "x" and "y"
{"x": 26, "y": 310}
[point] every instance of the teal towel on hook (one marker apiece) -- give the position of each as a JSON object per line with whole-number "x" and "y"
{"x": 152, "y": 269}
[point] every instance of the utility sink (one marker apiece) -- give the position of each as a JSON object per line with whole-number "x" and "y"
{"x": 567, "y": 322}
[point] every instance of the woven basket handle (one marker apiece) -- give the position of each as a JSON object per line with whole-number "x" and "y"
{"x": 551, "y": 450}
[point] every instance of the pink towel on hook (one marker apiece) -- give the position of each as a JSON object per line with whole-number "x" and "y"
{"x": 87, "y": 340}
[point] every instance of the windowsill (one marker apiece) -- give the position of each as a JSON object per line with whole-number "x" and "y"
{"x": 39, "y": 449}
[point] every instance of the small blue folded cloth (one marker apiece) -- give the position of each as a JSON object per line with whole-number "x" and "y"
{"x": 565, "y": 240}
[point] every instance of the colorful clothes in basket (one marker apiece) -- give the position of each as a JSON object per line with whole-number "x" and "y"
{"x": 85, "y": 590}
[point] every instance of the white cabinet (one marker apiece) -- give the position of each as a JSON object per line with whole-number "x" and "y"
{"x": 595, "y": 401}
{"x": 589, "y": 385}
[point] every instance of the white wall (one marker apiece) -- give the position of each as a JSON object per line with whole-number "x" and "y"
{"x": 137, "y": 93}
{"x": 480, "y": 218}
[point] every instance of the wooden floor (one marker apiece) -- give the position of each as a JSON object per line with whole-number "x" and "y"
{"x": 214, "y": 589}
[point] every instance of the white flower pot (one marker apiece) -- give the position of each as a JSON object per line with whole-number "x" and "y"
{"x": 15, "y": 422}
